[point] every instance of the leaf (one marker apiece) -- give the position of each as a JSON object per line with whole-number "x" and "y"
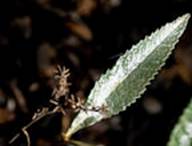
{"x": 182, "y": 133}
{"x": 127, "y": 80}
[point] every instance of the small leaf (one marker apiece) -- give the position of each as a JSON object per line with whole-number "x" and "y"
{"x": 127, "y": 80}
{"x": 182, "y": 133}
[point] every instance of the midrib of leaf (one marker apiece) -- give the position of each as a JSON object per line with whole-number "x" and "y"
{"x": 126, "y": 81}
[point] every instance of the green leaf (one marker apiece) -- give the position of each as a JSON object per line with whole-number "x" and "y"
{"x": 182, "y": 133}
{"x": 127, "y": 80}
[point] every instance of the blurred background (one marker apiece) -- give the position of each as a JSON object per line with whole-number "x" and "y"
{"x": 87, "y": 36}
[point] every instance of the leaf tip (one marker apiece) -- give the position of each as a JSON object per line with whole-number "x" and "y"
{"x": 186, "y": 16}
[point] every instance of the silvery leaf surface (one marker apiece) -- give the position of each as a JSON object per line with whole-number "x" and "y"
{"x": 120, "y": 86}
{"x": 182, "y": 133}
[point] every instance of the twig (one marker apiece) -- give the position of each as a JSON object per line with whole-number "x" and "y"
{"x": 27, "y": 136}
{"x": 61, "y": 91}
{"x": 30, "y": 124}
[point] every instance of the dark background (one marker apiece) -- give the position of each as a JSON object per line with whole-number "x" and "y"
{"x": 87, "y": 36}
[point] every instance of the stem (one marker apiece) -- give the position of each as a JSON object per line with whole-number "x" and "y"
{"x": 30, "y": 124}
{"x": 27, "y": 137}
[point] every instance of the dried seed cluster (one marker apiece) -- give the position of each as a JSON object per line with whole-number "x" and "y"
{"x": 62, "y": 84}
{"x": 62, "y": 100}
